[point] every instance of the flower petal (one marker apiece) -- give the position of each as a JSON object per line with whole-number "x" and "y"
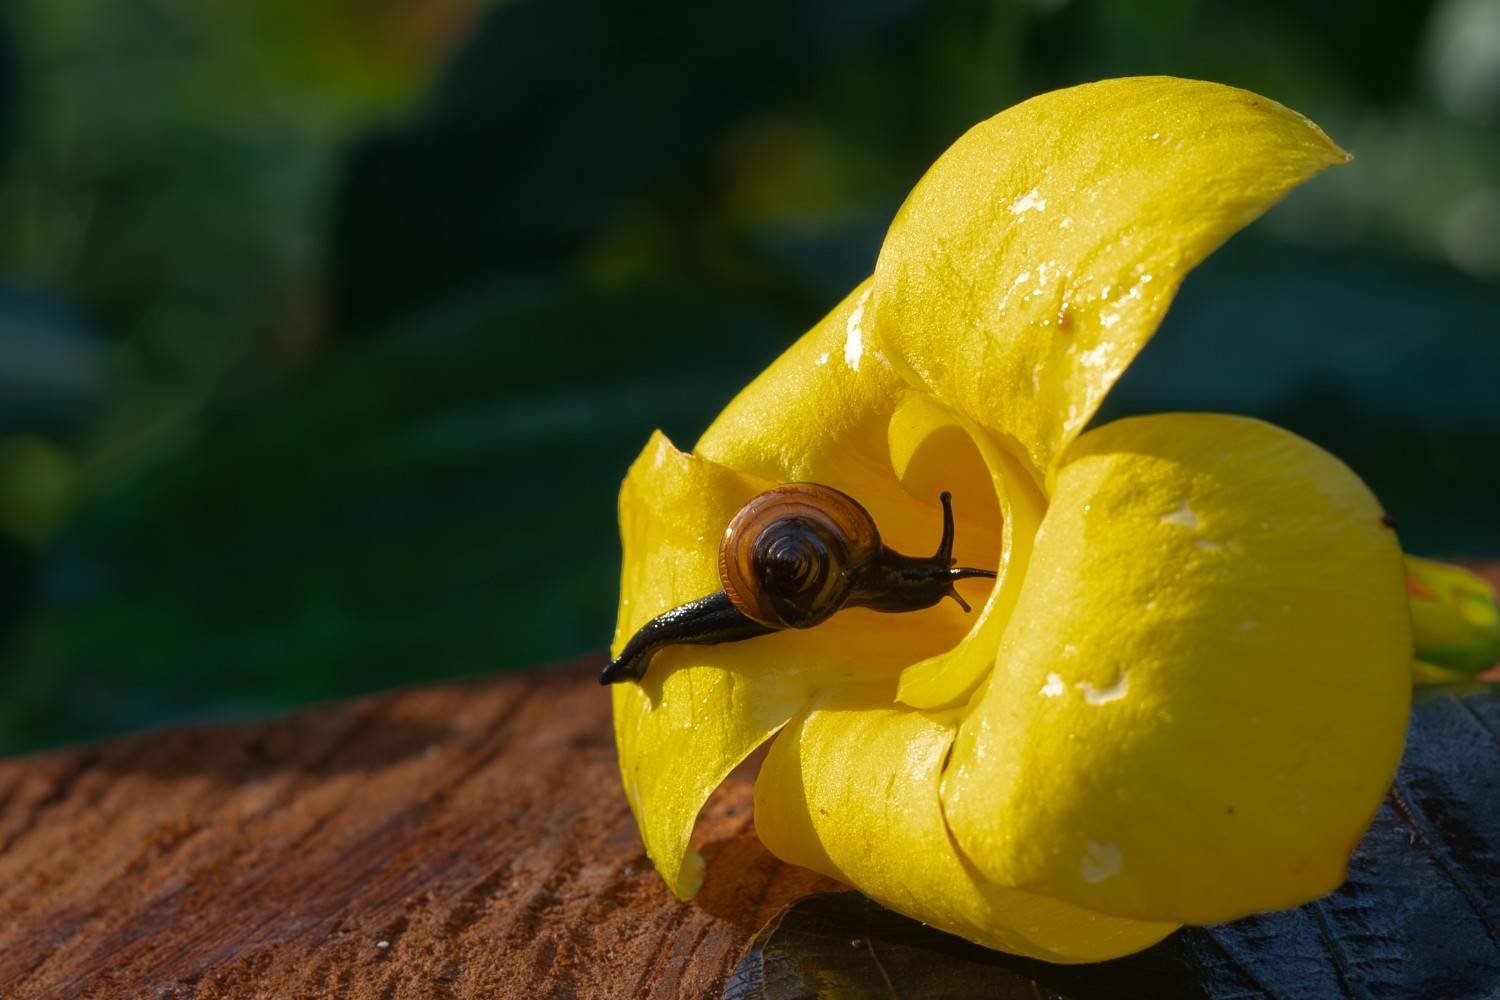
{"x": 1203, "y": 692}
{"x": 951, "y": 676}
{"x": 1039, "y": 253}
{"x": 822, "y": 412}
{"x": 850, "y": 789}
{"x": 830, "y": 410}
{"x": 681, "y": 731}
{"x": 700, "y": 710}
{"x": 819, "y": 413}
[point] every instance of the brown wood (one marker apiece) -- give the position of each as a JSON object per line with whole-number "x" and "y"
{"x": 466, "y": 840}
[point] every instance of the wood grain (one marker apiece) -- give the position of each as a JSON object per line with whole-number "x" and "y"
{"x": 466, "y": 840}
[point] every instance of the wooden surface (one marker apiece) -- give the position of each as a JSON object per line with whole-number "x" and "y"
{"x": 468, "y": 840}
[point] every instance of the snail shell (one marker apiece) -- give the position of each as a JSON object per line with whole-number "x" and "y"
{"x": 792, "y": 554}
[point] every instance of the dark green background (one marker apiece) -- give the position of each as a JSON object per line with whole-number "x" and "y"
{"x": 328, "y": 330}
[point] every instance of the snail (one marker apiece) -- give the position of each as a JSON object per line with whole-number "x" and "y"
{"x": 792, "y": 557}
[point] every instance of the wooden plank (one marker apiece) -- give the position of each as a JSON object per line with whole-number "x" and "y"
{"x": 458, "y": 841}
{"x": 466, "y": 840}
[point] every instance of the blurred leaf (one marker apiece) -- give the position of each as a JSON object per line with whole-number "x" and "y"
{"x": 212, "y": 243}
{"x": 559, "y": 116}
{"x": 35, "y": 478}
{"x": 1418, "y": 916}
{"x": 441, "y": 502}
{"x": 53, "y": 370}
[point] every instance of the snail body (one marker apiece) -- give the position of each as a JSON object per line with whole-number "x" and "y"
{"x": 792, "y": 557}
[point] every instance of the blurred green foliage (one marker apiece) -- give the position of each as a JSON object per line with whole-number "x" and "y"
{"x": 327, "y": 330}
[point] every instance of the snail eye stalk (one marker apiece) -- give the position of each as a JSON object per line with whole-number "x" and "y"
{"x": 791, "y": 558}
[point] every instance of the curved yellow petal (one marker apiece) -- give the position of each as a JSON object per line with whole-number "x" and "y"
{"x": 850, "y": 789}
{"x": 949, "y": 677}
{"x": 702, "y": 709}
{"x": 831, "y": 410}
{"x": 680, "y": 732}
{"x": 822, "y": 412}
{"x": 819, "y": 413}
{"x": 1203, "y": 692}
{"x": 1037, "y": 256}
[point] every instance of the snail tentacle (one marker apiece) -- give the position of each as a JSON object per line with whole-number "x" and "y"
{"x": 945, "y": 547}
{"x": 895, "y": 582}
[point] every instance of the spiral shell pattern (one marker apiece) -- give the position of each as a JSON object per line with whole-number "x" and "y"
{"x": 789, "y": 555}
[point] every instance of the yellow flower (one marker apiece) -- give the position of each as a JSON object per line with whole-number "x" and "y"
{"x": 1184, "y": 697}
